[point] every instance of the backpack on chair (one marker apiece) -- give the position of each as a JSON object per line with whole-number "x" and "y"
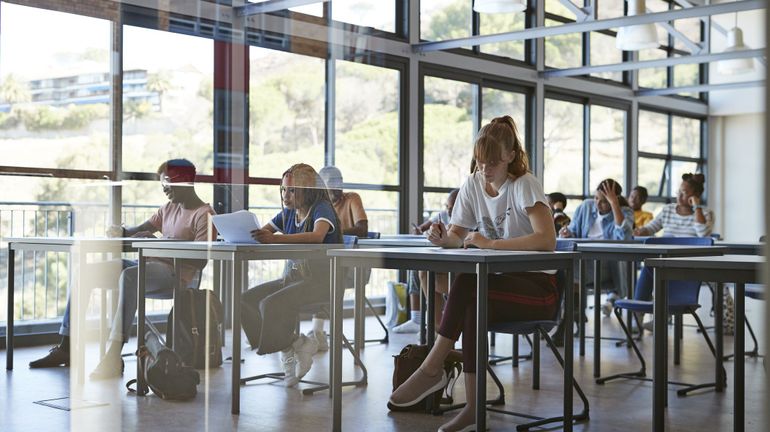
{"x": 195, "y": 306}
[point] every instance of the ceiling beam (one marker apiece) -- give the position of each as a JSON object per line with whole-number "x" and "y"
{"x": 587, "y": 26}
{"x": 670, "y": 61}
{"x": 271, "y": 6}
{"x": 700, "y": 88}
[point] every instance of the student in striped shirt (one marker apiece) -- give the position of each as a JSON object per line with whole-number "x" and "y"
{"x": 685, "y": 218}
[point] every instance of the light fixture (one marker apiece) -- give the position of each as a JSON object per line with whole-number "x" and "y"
{"x": 499, "y": 6}
{"x": 735, "y": 43}
{"x": 636, "y": 37}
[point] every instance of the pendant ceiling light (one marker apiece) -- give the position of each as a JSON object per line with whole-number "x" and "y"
{"x": 636, "y": 37}
{"x": 735, "y": 43}
{"x": 499, "y": 6}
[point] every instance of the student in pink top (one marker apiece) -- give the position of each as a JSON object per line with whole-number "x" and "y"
{"x": 184, "y": 217}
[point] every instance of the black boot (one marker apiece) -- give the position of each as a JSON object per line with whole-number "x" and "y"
{"x": 57, "y": 356}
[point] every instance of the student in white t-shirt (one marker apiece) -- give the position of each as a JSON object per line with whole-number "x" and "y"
{"x": 506, "y": 203}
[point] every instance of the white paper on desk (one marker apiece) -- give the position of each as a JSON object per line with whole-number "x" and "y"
{"x": 237, "y": 227}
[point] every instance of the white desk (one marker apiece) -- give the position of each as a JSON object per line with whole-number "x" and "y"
{"x": 78, "y": 248}
{"x": 738, "y": 269}
{"x": 479, "y": 261}
{"x": 236, "y": 255}
{"x": 631, "y": 253}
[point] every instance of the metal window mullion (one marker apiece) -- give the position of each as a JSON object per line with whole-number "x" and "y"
{"x": 586, "y": 149}
{"x": 669, "y": 161}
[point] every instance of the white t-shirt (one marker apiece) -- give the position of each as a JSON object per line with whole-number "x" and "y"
{"x": 500, "y": 217}
{"x": 596, "y": 231}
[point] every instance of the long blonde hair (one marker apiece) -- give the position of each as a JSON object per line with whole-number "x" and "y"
{"x": 497, "y": 136}
{"x": 313, "y": 191}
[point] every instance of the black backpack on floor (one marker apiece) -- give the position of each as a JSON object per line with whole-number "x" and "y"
{"x": 163, "y": 371}
{"x": 195, "y": 305}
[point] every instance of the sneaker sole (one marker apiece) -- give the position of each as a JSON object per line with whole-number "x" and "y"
{"x": 441, "y": 384}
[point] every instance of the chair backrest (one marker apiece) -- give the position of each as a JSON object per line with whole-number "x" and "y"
{"x": 373, "y": 235}
{"x": 682, "y": 292}
{"x": 350, "y": 241}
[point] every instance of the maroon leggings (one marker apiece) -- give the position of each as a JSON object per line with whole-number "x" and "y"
{"x": 521, "y": 296}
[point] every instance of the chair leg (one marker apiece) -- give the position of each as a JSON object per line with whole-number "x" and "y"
{"x": 754, "y": 352}
{"x": 536, "y": 361}
{"x": 382, "y": 324}
{"x": 690, "y": 388}
{"x": 516, "y": 356}
{"x": 582, "y": 416}
{"x": 641, "y": 373}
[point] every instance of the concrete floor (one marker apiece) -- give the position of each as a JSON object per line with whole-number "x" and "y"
{"x": 266, "y": 405}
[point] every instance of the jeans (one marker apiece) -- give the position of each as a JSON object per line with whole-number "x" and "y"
{"x": 159, "y": 284}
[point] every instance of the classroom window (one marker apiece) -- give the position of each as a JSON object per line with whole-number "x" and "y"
{"x": 563, "y": 147}
{"x": 379, "y": 14}
{"x": 54, "y": 91}
{"x": 286, "y": 111}
{"x": 448, "y": 131}
{"x": 607, "y": 145}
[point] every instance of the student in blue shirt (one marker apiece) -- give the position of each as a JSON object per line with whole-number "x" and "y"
{"x": 609, "y": 217}
{"x": 270, "y": 310}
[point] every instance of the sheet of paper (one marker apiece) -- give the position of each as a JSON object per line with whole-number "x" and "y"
{"x": 237, "y": 227}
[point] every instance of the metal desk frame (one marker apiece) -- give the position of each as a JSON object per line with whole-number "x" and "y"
{"x": 482, "y": 263}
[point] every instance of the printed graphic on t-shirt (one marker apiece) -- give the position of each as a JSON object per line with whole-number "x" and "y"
{"x": 496, "y": 230}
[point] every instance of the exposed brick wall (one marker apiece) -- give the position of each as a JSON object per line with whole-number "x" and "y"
{"x": 105, "y": 9}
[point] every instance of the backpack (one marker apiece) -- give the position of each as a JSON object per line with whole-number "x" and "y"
{"x": 163, "y": 371}
{"x": 407, "y": 362}
{"x": 191, "y": 336}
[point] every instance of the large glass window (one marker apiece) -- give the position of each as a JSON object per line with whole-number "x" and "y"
{"x": 502, "y": 23}
{"x": 563, "y": 147}
{"x": 379, "y": 14}
{"x": 445, "y": 19}
{"x": 669, "y": 146}
{"x": 366, "y": 132}
{"x": 286, "y": 111}
{"x": 167, "y": 99}
{"x": 607, "y": 145}
{"x": 54, "y": 90}
{"x": 448, "y": 131}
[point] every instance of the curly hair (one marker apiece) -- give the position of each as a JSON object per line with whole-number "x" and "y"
{"x": 696, "y": 182}
{"x": 497, "y": 136}
{"x": 310, "y": 191}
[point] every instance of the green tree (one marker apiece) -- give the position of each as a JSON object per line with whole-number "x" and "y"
{"x": 159, "y": 82}
{"x": 14, "y": 91}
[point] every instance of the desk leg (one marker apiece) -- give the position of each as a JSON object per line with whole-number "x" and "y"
{"x": 141, "y": 386}
{"x": 597, "y": 320}
{"x": 583, "y": 303}
{"x": 423, "y": 311}
{"x": 10, "y": 310}
{"x": 660, "y": 307}
{"x": 568, "y": 348}
{"x": 739, "y": 370}
{"x": 482, "y": 358}
{"x": 219, "y": 289}
{"x": 719, "y": 337}
{"x": 338, "y": 291}
{"x": 631, "y": 267}
{"x": 236, "y": 312}
{"x": 78, "y": 328}
{"x": 177, "y": 305}
{"x": 431, "y": 309}
{"x": 358, "y": 323}
{"x": 430, "y": 319}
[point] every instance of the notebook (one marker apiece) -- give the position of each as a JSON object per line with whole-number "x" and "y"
{"x": 237, "y": 227}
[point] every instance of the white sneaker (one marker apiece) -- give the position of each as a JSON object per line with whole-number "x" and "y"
{"x": 323, "y": 343}
{"x": 408, "y": 327}
{"x": 304, "y": 348}
{"x": 289, "y": 365}
{"x": 609, "y": 305}
{"x": 607, "y": 308}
